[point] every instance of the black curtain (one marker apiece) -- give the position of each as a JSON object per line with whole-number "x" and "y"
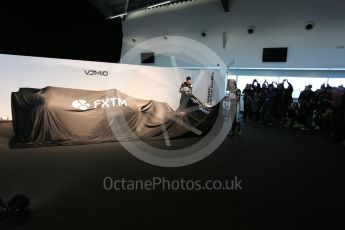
{"x": 73, "y": 29}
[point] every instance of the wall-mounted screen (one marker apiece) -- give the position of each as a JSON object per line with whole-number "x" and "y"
{"x": 274, "y": 54}
{"x": 148, "y": 57}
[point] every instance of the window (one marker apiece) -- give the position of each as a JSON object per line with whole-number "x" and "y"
{"x": 336, "y": 82}
{"x": 243, "y": 80}
{"x": 299, "y": 83}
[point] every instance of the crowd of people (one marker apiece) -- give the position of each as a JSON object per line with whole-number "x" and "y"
{"x": 320, "y": 109}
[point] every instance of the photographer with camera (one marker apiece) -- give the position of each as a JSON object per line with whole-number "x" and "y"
{"x": 247, "y": 100}
{"x": 307, "y": 105}
{"x": 255, "y": 85}
{"x": 285, "y": 98}
{"x": 268, "y": 105}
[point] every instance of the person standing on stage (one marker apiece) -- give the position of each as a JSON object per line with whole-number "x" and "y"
{"x": 186, "y": 90}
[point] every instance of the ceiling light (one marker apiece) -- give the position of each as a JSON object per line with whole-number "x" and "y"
{"x": 251, "y": 29}
{"x": 203, "y": 33}
{"x": 160, "y": 4}
{"x": 309, "y": 25}
{"x": 116, "y": 16}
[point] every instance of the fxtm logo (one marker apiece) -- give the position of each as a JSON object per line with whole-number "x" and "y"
{"x": 103, "y": 103}
{"x": 201, "y": 108}
{"x": 96, "y": 73}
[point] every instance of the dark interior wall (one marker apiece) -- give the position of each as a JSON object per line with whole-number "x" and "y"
{"x": 71, "y": 29}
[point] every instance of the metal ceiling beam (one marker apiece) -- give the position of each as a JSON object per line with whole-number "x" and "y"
{"x": 121, "y": 8}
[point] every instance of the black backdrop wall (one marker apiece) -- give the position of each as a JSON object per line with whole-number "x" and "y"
{"x": 71, "y": 29}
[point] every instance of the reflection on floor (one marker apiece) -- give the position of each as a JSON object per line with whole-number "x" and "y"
{"x": 291, "y": 180}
